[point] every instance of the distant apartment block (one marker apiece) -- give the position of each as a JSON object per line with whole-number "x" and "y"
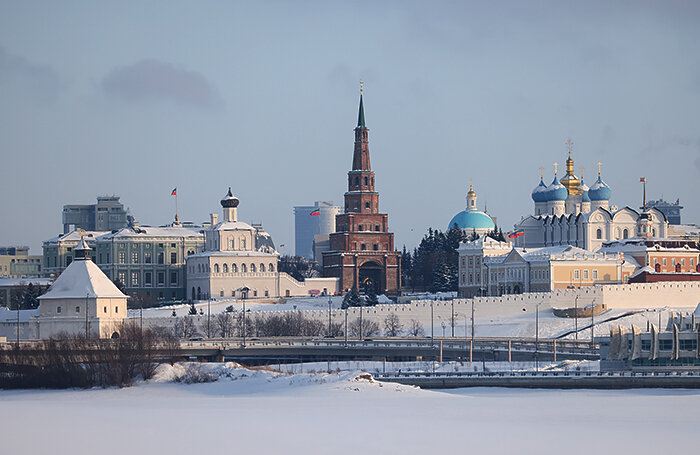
{"x": 672, "y": 210}
{"x": 107, "y": 215}
{"x": 308, "y": 224}
{"x": 15, "y": 262}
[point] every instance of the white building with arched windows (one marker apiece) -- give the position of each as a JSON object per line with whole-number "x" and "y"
{"x": 232, "y": 267}
{"x": 568, "y": 212}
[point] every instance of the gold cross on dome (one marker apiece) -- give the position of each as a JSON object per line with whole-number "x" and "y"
{"x": 599, "y": 164}
{"x": 541, "y": 172}
{"x": 569, "y": 143}
{"x": 581, "y": 172}
{"x": 555, "y": 168}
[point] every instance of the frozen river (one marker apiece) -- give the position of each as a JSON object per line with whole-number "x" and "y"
{"x": 309, "y": 413}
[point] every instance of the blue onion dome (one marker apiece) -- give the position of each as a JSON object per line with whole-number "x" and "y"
{"x": 600, "y": 191}
{"x": 584, "y": 192}
{"x": 556, "y": 191}
{"x": 538, "y": 194}
{"x": 472, "y": 219}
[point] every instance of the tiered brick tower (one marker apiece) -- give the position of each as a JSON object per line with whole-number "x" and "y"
{"x": 362, "y": 248}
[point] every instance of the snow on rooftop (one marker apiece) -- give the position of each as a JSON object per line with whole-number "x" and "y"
{"x": 148, "y": 231}
{"x": 80, "y": 279}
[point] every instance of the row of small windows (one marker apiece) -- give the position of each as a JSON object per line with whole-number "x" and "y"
{"x": 59, "y": 310}
{"x": 375, "y": 247}
{"x": 147, "y": 279}
{"x": 366, "y": 181}
{"x": 244, "y": 268}
{"x": 675, "y": 261}
{"x": 147, "y": 258}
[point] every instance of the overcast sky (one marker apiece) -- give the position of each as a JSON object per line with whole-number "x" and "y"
{"x": 135, "y": 98}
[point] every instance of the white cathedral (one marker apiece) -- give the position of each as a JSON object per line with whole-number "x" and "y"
{"x": 568, "y": 212}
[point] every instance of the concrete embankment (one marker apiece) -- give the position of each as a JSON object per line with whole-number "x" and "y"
{"x": 559, "y": 380}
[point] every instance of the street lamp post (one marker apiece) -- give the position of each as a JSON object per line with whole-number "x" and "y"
{"x": 571, "y": 286}
{"x": 346, "y": 326}
{"x": 87, "y": 331}
{"x": 472, "y": 322}
{"x": 18, "y": 306}
{"x": 329, "y": 315}
{"x": 209, "y": 317}
{"x": 453, "y": 318}
{"x": 360, "y": 330}
{"x": 432, "y": 324}
{"x": 244, "y": 323}
{"x": 537, "y": 336}
{"x": 592, "y": 323}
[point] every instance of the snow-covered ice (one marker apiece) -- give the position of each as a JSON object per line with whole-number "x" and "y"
{"x": 315, "y": 412}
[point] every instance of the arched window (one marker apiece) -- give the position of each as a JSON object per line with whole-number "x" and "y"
{"x": 625, "y": 233}
{"x": 599, "y": 234}
{"x": 357, "y": 181}
{"x": 225, "y": 269}
{"x": 653, "y": 232}
{"x": 270, "y": 267}
{"x": 678, "y": 267}
{"x": 192, "y": 292}
{"x": 243, "y": 268}
{"x": 216, "y": 268}
{"x": 366, "y": 182}
{"x": 262, "y": 267}
{"x": 657, "y": 267}
{"x": 234, "y": 268}
{"x": 252, "y": 268}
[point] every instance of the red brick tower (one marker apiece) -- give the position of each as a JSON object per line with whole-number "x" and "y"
{"x": 362, "y": 248}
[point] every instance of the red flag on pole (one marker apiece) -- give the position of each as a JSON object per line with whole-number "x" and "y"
{"x": 174, "y": 192}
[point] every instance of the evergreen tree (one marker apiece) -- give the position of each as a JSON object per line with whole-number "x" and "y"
{"x": 371, "y": 297}
{"x": 193, "y": 309}
{"x": 406, "y": 266}
{"x": 352, "y": 298}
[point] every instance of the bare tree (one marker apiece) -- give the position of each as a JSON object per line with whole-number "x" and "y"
{"x": 224, "y": 325}
{"x": 363, "y": 327}
{"x": 392, "y": 325}
{"x": 336, "y": 329}
{"x": 416, "y": 328}
{"x": 186, "y": 327}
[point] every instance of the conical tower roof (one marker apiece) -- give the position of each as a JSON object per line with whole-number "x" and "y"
{"x": 82, "y": 279}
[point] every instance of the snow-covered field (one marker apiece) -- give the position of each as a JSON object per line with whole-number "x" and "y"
{"x": 515, "y": 324}
{"x": 264, "y": 412}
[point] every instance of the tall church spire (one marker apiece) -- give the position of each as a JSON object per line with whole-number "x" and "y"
{"x": 361, "y": 114}
{"x": 360, "y": 159}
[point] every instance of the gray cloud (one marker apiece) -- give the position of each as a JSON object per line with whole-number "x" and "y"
{"x": 152, "y": 80}
{"x": 39, "y": 83}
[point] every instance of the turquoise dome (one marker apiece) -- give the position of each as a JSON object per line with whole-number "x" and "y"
{"x": 538, "y": 194}
{"x": 585, "y": 197}
{"x": 472, "y": 219}
{"x": 600, "y": 191}
{"x": 556, "y": 191}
